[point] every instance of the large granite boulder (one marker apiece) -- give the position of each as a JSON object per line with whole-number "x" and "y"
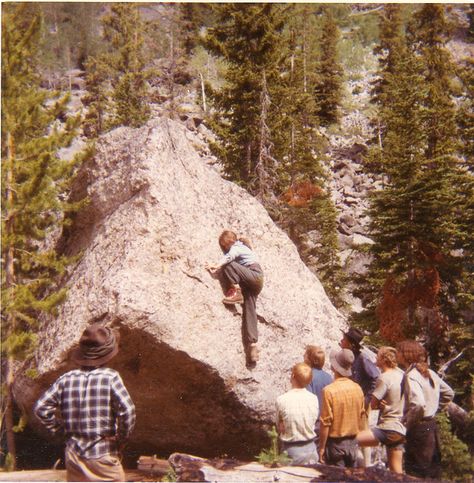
{"x": 156, "y": 209}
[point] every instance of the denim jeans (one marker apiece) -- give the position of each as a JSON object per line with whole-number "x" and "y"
{"x": 301, "y": 454}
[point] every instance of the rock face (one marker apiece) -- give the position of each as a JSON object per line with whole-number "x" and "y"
{"x": 156, "y": 210}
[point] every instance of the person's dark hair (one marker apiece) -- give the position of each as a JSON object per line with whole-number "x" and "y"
{"x": 315, "y": 356}
{"x": 414, "y": 353}
{"x": 226, "y": 239}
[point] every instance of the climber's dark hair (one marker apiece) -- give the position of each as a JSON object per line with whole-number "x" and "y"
{"x": 226, "y": 239}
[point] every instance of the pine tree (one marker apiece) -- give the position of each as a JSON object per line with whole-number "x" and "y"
{"x": 465, "y": 117}
{"x": 308, "y": 206}
{"x": 268, "y": 127}
{"x": 81, "y": 24}
{"x": 446, "y": 194}
{"x": 428, "y": 35}
{"x": 417, "y": 278}
{"x": 394, "y": 224}
{"x": 328, "y": 90}
{"x": 124, "y": 29}
{"x": 97, "y": 96}
{"x": 297, "y": 141}
{"x": 457, "y": 461}
{"x": 69, "y": 34}
{"x": 248, "y": 37}
{"x": 35, "y": 183}
{"x": 389, "y": 48}
{"x": 324, "y": 255}
{"x": 181, "y": 33}
{"x": 193, "y": 17}
{"x": 391, "y": 43}
{"x": 465, "y": 122}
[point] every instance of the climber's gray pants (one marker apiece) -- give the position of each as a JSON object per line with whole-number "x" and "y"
{"x": 250, "y": 280}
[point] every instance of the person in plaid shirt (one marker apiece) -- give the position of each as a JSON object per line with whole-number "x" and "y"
{"x": 342, "y": 413}
{"x": 92, "y": 408}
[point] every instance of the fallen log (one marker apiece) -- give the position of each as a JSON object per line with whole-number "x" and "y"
{"x": 153, "y": 465}
{"x": 60, "y": 475}
{"x": 33, "y": 475}
{"x": 192, "y": 468}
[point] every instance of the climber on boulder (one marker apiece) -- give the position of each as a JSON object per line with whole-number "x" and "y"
{"x": 241, "y": 278}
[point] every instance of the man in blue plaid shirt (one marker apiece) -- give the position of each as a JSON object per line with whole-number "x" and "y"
{"x": 92, "y": 407}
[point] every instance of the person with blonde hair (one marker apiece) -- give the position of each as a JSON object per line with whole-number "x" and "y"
{"x": 315, "y": 357}
{"x": 388, "y": 399}
{"x": 241, "y": 277}
{"x": 296, "y": 413}
{"x": 424, "y": 392}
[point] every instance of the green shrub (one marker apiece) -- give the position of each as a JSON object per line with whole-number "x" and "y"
{"x": 456, "y": 461}
{"x": 272, "y": 456}
{"x": 170, "y": 476}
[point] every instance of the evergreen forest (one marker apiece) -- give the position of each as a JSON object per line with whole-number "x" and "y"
{"x": 274, "y": 83}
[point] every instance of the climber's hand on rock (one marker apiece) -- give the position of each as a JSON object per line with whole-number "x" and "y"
{"x": 213, "y": 270}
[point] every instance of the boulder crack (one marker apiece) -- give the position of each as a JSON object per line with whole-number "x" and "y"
{"x": 195, "y": 277}
{"x": 276, "y": 325}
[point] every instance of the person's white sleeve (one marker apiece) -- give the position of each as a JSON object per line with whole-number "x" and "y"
{"x": 230, "y": 256}
{"x": 446, "y": 394}
{"x": 416, "y": 403}
{"x": 380, "y": 390}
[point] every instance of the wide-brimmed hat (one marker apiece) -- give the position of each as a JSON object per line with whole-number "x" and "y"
{"x": 341, "y": 361}
{"x": 97, "y": 345}
{"x": 354, "y": 335}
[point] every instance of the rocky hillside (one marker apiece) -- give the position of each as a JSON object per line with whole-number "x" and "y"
{"x": 157, "y": 207}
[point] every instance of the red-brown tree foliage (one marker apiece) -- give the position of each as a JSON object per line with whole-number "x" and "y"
{"x": 417, "y": 294}
{"x": 301, "y": 193}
